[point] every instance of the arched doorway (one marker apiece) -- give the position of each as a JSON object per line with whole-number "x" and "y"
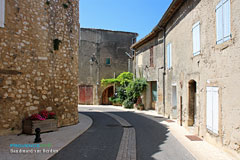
{"x": 192, "y": 90}
{"x": 107, "y": 93}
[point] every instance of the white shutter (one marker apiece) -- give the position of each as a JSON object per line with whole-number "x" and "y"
{"x": 209, "y": 109}
{"x": 215, "y": 109}
{"x": 212, "y": 109}
{"x": 219, "y": 23}
{"x": 226, "y": 20}
{"x": 2, "y": 13}
{"x": 169, "y": 55}
{"x": 196, "y": 38}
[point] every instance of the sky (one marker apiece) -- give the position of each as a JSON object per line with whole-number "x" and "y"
{"x": 139, "y": 16}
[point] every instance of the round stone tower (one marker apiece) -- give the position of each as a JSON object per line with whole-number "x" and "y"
{"x": 39, "y": 61}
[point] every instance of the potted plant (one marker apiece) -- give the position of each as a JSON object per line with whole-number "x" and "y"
{"x": 44, "y": 120}
{"x": 141, "y": 106}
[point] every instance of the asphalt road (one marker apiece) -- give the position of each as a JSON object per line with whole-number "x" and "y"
{"x": 154, "y": 142}
{"x": 102, "y": 140}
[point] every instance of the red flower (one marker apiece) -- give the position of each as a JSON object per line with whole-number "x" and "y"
{"x": 44, "y": 114}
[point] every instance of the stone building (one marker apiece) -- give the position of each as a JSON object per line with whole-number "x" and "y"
{"x": 102, "y": 55}
{"x": 196, "y": 63}
{"x": 39, "y": 61}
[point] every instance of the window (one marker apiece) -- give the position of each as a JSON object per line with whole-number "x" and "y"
{"x": 2, "y": 13}
{"x": 223, "y": 21}
{"x": 196, "y": 38}
{"x": 169, "y": 56}
{"x": 151, "y": 57}
{"x": 108, "y": 61}
{"x": 212, "y": 109}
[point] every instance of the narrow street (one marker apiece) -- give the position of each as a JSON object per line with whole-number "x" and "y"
{"x": 102, "y": 140}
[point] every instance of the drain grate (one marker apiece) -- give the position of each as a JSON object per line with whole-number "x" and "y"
{"x": 193, "y": 138}
{"x": 127, "y": 126}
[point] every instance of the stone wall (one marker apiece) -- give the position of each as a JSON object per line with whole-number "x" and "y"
{"x": 101, "y": 44}
{"x": 39, "y": 61}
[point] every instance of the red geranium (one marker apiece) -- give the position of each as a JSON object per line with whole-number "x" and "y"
{"x": 43, "y": 116}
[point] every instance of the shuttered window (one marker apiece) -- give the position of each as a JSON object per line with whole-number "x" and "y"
{"x": 151, "y": 57}
{"x": 212, "y": 109}
{"x": 196, "y": 38}
{"x": 169, "y": 56}
{"x": 223, "y": 22}
{"x": 2, "y": 13}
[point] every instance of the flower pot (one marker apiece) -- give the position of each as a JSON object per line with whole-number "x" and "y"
{"x": 47, "y": 125}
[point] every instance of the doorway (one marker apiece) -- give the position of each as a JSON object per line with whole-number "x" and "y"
{"x": 174, "y": 101}
{"x": 181, "y": 111}
{"x": 192, "y": 89}
{"x": 153, "y": 94}
{"x": 85, "y": 94}
{"x": 107, "y": 93}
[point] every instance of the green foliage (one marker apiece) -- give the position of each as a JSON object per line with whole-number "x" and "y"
{"x": 121, "y": 94}
{"x": 122, "y": 80}
{"x": 127, "y": 90}
{"x": 128, "y": 103}
{"x": 134, "y": 90}
{"x": 106, "y": 82}
{"x": 125, "y": 78}
{"x": 115, "y": 99}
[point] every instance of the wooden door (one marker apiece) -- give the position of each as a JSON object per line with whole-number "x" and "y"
{"x": 107, "y": 93}
{"x": 85, "y": 94}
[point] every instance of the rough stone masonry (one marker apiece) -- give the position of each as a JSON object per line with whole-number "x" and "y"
{"x": 38, "y": 61}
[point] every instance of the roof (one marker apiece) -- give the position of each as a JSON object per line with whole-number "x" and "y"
{"x": 174, "y": 6}
{"x": 105, "y": 30}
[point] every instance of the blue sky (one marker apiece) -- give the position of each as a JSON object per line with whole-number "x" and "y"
{"x": 138, "y": 16}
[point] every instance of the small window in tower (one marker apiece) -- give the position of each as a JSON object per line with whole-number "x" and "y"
{"x": 108, "y": 61}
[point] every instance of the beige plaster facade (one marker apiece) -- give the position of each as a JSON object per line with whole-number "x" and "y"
{"x": 39, "y": 61}
{"x": 217, "y": 65}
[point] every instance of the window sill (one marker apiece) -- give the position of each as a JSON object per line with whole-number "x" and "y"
{"x": 197, "y": 55}
{"x": 224, "y": 45}
{"x": 212, "y": 133}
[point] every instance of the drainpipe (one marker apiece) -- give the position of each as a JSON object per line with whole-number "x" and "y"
{"x": 164, "y": 68}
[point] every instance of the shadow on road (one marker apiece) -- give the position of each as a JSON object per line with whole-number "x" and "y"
{"x": 150, "y": 135}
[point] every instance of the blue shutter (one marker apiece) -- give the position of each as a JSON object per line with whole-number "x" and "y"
{"x": 219, "y": 23}
{"x": 196, "y": 38}
{"x": 2, "y": 13}
{"x": 226, "y": 20}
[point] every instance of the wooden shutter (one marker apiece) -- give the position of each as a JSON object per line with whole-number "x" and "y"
{"x": 226, "y": 20}
{"x": 196, "y": 38}
{"x": 219, "y": 23}
{"x": 2, "y": 13}
{"x": 151, "y": 57}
